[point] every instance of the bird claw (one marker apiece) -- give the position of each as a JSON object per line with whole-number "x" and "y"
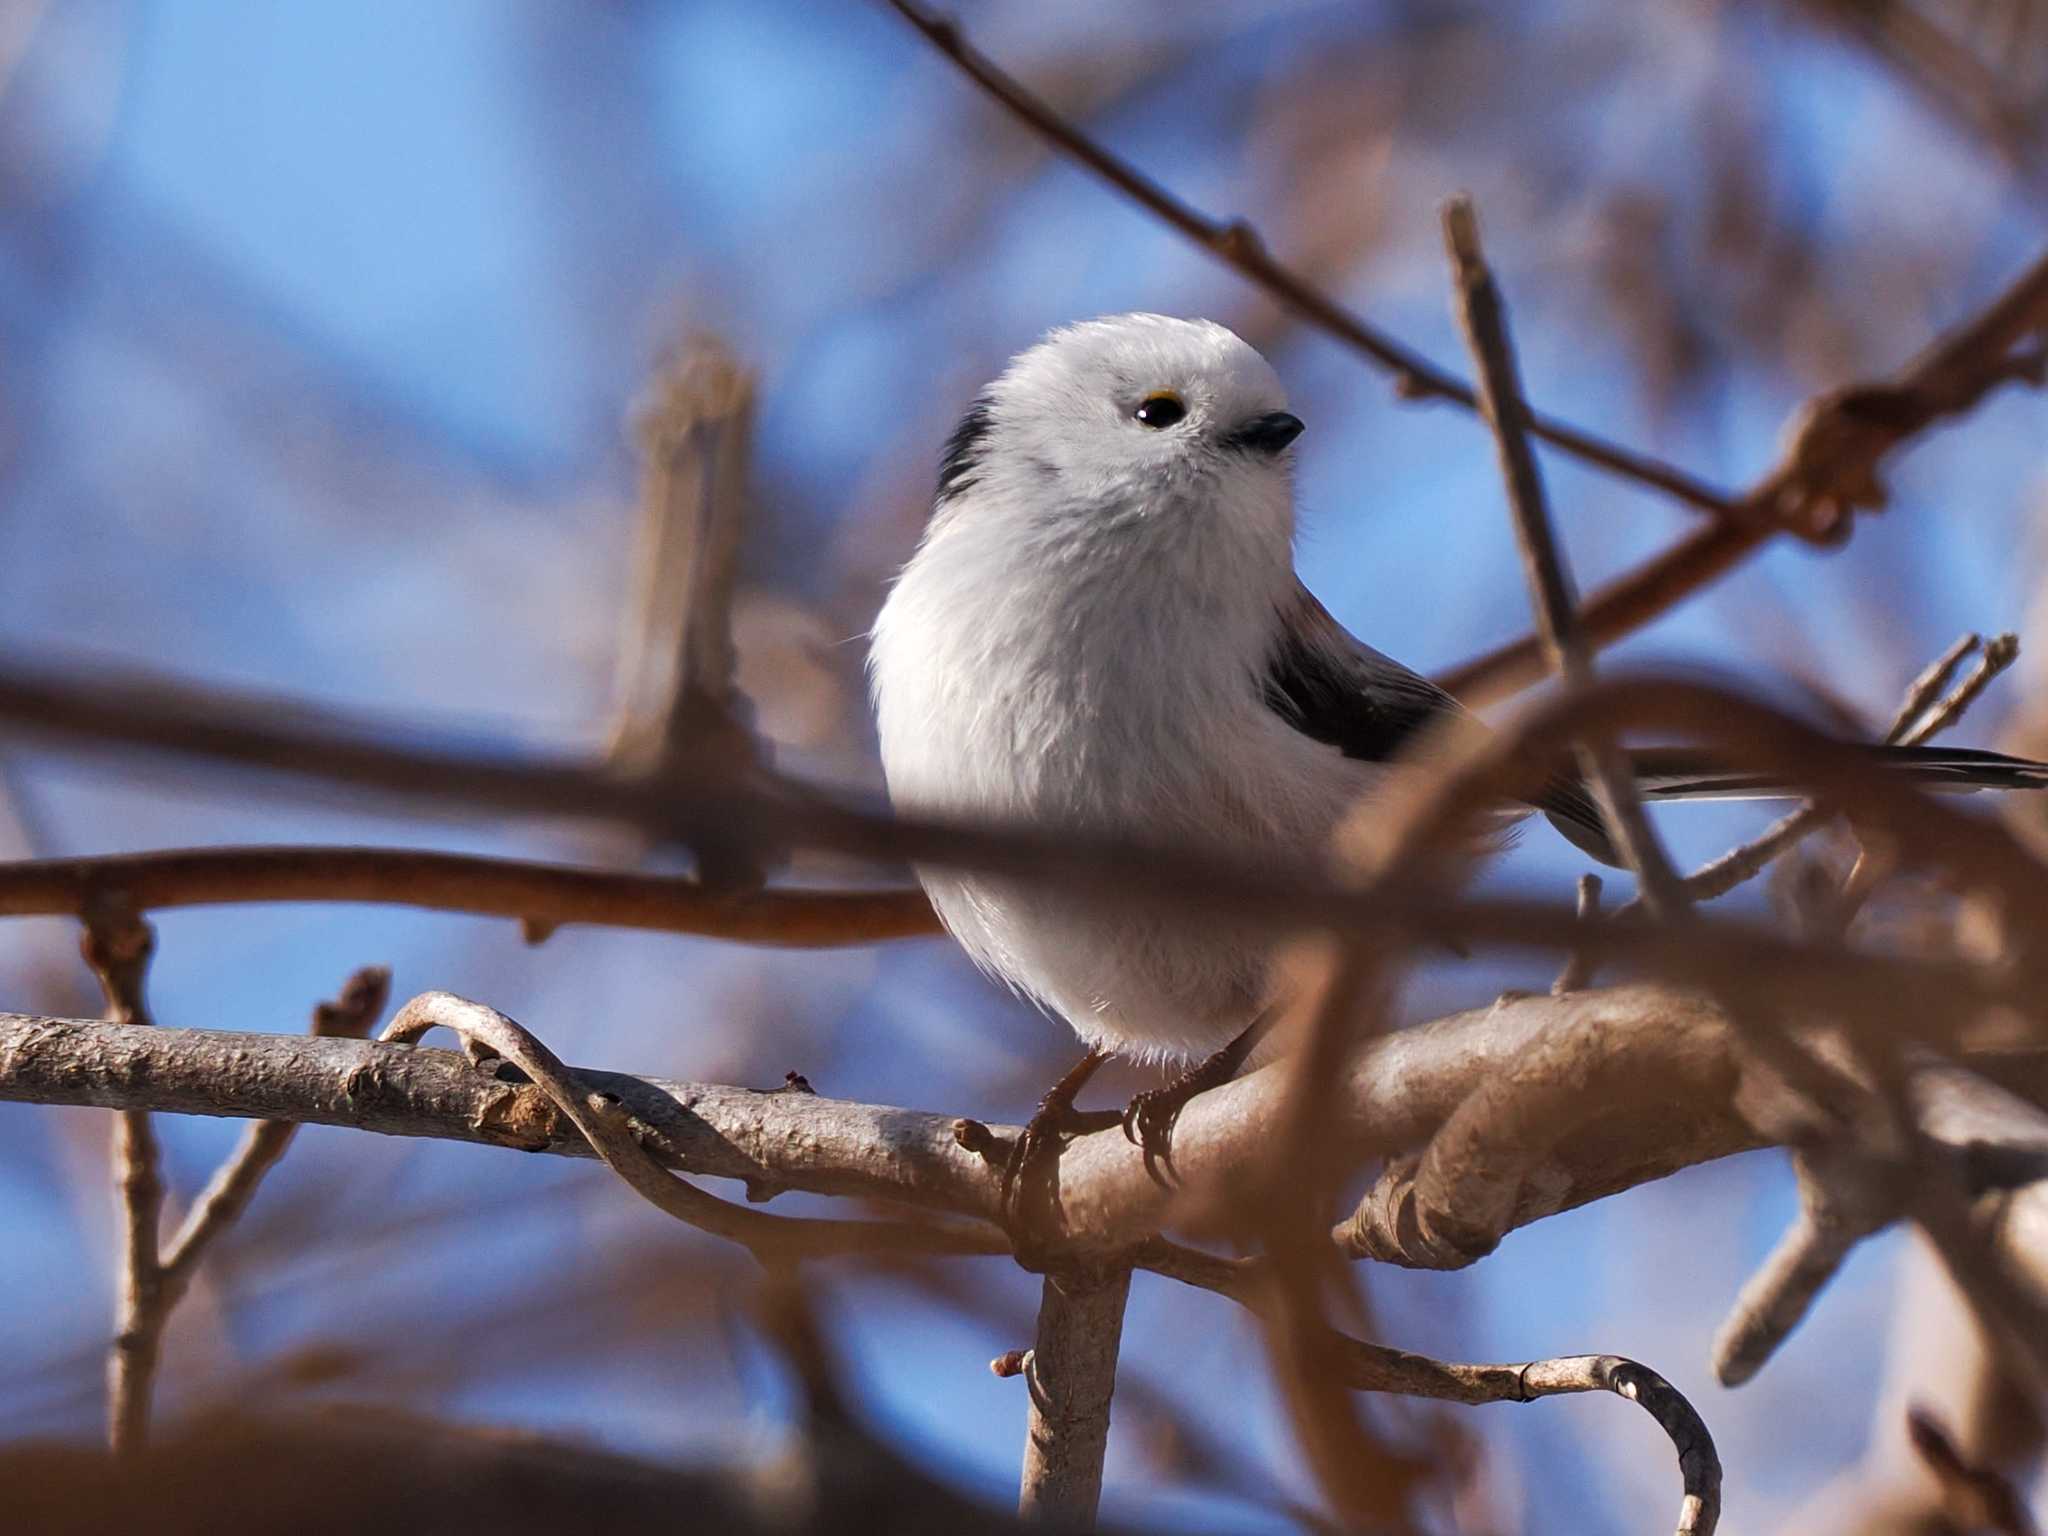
{"x": 1149, "y": 1117}
{"x": 1028, "y": 1183}
{"x": 1030, "y": 1175}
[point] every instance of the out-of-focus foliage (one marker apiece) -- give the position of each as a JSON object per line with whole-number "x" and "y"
{"x": 320, "y": 327}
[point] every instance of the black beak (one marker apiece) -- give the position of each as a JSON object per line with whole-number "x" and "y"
{"x": 1266, "y": 434}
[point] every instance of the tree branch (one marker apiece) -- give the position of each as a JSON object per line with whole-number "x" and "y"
{"x": 1605, "y": 769}
{"x": 1830, "y": 464}
{"x": 1238, "y": 246}
{"x": 117, "y": 945}
{"x": 1071, "y": 1374}
{"x": 350, "y": 1016}
{"x": 681, "y": 720}
{"x": 538, "y": 894}
{"x": 1666, "y": 1084}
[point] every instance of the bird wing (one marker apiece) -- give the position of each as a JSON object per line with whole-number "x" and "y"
{"x": 1334, "y": 688}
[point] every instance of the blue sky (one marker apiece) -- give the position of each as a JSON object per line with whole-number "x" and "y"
{"x": 322, "y": 325}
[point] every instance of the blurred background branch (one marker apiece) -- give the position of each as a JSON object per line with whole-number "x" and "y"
{"x": 317, "y": 329}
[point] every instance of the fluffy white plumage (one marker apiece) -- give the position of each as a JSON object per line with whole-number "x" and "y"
{"x": 1102, "y": 631}
{"x": 1084, "y": 639}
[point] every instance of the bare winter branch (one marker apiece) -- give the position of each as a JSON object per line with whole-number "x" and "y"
{"x": 1606, "y": 770}
{"x": 1237, "y": 245}
{"x": 1071, "y": 1373}
{"x": 117, "y": 945}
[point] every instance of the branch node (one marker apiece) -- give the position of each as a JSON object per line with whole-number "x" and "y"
{"x": 976, "y": 1137}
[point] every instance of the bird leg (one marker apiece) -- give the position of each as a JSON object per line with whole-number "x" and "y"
{"x": 1150, "y": 1117}
{"x": 1036, "y": 1152}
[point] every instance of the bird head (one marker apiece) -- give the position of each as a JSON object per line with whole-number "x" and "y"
{"x": 1129, "y": 419}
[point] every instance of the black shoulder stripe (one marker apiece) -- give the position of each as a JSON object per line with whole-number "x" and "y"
{"x": 962, "y": 456}
{"x": 1315, "y": 693}
{"x": 1369, "y": 708}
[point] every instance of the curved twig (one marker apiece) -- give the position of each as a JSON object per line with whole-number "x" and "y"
{"x": 611, "y": 1136}
{"x": 1698, "y": 1464}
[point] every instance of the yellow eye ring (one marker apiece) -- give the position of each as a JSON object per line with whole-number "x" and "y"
{"x": 1160, "y": 409}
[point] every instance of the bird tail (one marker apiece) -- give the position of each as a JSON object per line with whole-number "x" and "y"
{"x": 1682, "y": 773}
{"x": 1668, "y": 773}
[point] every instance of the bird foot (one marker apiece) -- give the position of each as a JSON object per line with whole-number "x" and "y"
{"x": 1150, "y": 1117}
{"x": 1030, "y": 1172}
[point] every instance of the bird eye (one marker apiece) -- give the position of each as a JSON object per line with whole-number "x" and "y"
{"x": 1160, "y": 410}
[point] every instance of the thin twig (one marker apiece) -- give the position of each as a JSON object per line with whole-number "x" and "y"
{"x": 1578, "y": 969}
{"x": 1698, "y": 1464}
{"x": 1919, "y": 719}
{"x": 1927, "y": 687}
{"x": 1237, "y": 245}
{"x": 1829, "y": 465}
{"x": 1605, "y": 767}
{"x": 1866, "y": 873}
{"x": 351, "y": 1016}
{"x": 539, "y": 894}
{"x": 613, "y": 1136}
{"x": 1999, "y": 653}
{"x": 1365, "y": 1367}
{"x": 1836, "y": 1212}
{"x": 117, "y": 945}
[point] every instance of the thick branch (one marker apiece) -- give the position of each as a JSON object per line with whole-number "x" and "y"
{"x": 1072, "y": 1374}
{"x": 1666, "y": 1085}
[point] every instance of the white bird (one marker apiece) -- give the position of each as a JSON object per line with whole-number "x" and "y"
{"x": 1102, "y": 632}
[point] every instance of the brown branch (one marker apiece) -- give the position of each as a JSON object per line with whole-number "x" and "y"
{"x": 1366, "y": 1367}
{"x": 1578, "y": 971}
{"x": 1835, "y": 1214}
{"x": 538, "y": 894}
{"x": 1698, "y": 1464}
{"x": 1376, "y": 1368}
{"x": 1973, "y": 1497}
{"x": 803, "y": 1141}
{"x": 1280, "y": 900}
{"x": 1922, "y": 715}
{"x": 1665, "y": 1078}
{"x": 110, "y": 706}
{"x": 1071, "y": 1372}
{"x": 117, "y": 944}
{"x": 615, "y": 1137}
{"x": 1829, "y": 467}
{"x": 1482, "y": 316}
{"x": 1925, "y": 689}
{"x": 351, "y": 1016}
{"x": 1999, "y": 653}
{"x": 681, "y": 720}
{"x": 1237, "y": 245}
